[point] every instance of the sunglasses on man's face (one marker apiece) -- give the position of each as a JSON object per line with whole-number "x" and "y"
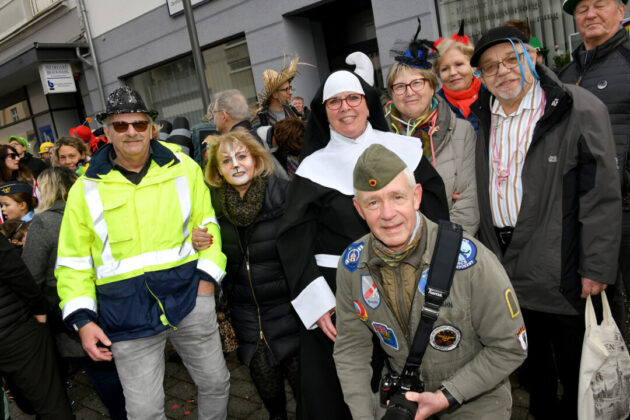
{"x": 123, "y": 126}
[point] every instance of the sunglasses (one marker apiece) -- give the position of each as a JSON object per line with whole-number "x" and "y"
{"x": 13, "y": 155}
{"x": 122, "y": 126}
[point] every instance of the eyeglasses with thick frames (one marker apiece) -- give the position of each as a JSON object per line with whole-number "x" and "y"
{"x": 13, "y": 155}
{"x": 353, "y": 100}
{"x": 123, "y": 126}
{"x": 416, "y": 85}
{"x": 509, "y": 62}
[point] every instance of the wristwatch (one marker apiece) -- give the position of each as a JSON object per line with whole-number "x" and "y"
{"x": 453, "y": 404}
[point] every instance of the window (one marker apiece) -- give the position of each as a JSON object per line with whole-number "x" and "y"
{"x": 172, "y": 88}
{"x": 14, "y": 113}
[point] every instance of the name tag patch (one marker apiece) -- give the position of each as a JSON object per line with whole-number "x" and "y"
{"x": 445, "y": 338}
{"x": 467, "y": 254}
{"x": 386, "y": 334}
{"x": 351, "y": 256}
{"x": 370, "y": 293}
{"x": 361, "y": 312}
{"x": 521, "y": 335}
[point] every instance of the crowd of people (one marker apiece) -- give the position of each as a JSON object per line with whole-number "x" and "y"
{"x": 415, "y": 251}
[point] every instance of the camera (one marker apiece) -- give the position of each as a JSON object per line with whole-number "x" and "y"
{"x": 393, "y": 388}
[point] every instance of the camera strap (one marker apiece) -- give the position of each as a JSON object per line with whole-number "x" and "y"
{"x": 443, "y": 264}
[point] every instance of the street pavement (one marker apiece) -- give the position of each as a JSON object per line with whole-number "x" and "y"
{"x": 181, "y": 394}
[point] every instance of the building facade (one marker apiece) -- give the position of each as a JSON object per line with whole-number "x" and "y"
{"x": 145, "y": 44}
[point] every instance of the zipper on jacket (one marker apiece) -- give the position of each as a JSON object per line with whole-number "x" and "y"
{"x": 163, "y": 317}
{"x": 251, "y": 286}
{"x": 385, "y": 301}
{"x": 401, "y": 302}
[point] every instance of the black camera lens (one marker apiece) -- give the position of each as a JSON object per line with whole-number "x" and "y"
{"x": 400, "y": 408}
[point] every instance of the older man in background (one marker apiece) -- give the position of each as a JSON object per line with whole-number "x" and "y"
{"x": 549, "y": 205}
{"x": 601, "y": 65}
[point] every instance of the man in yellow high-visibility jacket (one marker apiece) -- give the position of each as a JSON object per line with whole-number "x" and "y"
{"x": 128, "y": 275}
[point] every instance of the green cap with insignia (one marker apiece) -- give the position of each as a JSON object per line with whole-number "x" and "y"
{"x": 375, "y": 168}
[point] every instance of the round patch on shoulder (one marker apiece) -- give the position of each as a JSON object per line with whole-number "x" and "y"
{"x": 467, "y": 254}
{"x": 445, "y": 338}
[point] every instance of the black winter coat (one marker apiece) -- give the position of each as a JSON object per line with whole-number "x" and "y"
{"x": 259, "y": 296}
{"x": 20, "y": 297}
{"x": 606, "y": 74}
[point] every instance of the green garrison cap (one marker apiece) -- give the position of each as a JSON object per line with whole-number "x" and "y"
{"x": 375, "y": 168}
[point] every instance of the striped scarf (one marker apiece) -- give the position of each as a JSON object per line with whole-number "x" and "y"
{"x": 394, "y": 258}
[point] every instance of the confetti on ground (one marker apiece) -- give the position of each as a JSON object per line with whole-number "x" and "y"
{"x": 186, "y": 413}
{"x": 174, "y": 406}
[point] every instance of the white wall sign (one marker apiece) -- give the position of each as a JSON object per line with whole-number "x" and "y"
{"x": 175, "y": 7}
{"x": 57, "y": 78}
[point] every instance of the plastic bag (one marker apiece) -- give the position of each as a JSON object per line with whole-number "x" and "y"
{"x": 604, "y": 387}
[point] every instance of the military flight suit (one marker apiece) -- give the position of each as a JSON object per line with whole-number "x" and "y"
{"x": 478, "y": 339}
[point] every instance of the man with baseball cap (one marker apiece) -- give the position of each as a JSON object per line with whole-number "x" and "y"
{"x": 601, "y": 65}
{"x": 128, "y": 275}
{"x": 386, "y": 286}
{"x": 549, "y": 204}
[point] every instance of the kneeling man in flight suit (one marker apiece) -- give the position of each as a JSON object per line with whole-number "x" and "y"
{"x": 473, "y": 339}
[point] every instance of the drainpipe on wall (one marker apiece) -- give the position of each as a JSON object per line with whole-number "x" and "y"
{"x": 196, "y": 53}
{"x": 94, "y": 62}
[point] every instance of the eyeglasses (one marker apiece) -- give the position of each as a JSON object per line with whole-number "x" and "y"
{"x": 508, "y": 62}
{"x": 416, "y": 85}
{"x": 353, "y": 100}
{"x": 290, "y": 88}
{"x": 13, "y": 155}
{"x": 122, "y": 126}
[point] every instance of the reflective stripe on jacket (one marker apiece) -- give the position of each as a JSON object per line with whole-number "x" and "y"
{"x": 125, "y": 251}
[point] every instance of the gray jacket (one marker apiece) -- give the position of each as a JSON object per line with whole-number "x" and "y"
{"x": 479, "y": 326}
{"x": 454, "y": 144}
{"x": 569, "y": 222}
{"x": 40, "y": 256}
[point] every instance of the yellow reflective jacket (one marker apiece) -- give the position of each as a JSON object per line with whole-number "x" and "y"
{"x": 125, "y": 257}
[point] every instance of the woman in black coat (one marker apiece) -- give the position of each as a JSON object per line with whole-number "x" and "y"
{"x": 249, "y": 201}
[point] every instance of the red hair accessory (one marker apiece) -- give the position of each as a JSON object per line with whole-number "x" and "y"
{"x": 458, "y": 37}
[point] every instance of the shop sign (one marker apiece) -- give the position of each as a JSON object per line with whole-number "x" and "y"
{"x": 57, "y": 78}
{"x": 176, "y": 7}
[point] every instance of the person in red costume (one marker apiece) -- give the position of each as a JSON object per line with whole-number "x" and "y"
{"x": 84, "y": 133}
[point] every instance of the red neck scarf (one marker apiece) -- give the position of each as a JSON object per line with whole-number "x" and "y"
{"x": 462, "y": 99}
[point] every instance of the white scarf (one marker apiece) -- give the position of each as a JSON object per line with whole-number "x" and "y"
{"x": 332, "y": 166}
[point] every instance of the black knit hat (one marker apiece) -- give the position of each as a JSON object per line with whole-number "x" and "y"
{"x": 125, "y": 100}
{"x": 496, "y": 36}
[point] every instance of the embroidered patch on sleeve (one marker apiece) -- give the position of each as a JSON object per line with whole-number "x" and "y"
{"x": 361, "y": 312}
{"x": 386, "y": 334}
{"x": 511, "y": 303}
{"x": 445, "y": 338}
{"x": 467, "y": 254}
{"x": 370, "y": 293}
{"x": 521, "y": 335}
{"x": 350, "y": 257}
